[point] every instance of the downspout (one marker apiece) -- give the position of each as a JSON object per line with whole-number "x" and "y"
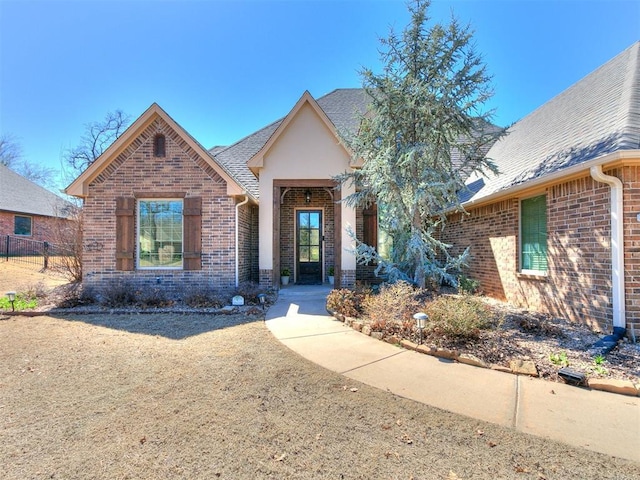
{"x": 617, "y": 248}
{"x": 238, "y": 205}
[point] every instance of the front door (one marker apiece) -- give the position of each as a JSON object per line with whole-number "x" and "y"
{"x": 309, "y": 246}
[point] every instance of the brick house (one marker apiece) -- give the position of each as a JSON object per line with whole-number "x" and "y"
{"x": 161, "y": 209}
{"x": 559, "y": 229}
{"x": 29, "y": 210}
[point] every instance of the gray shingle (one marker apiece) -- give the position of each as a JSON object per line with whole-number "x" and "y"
{"x": 597, "y": 115}
{"x": 17, "y": 194}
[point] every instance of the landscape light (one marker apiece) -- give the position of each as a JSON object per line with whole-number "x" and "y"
{"x": 12, "y": 299}
{"x": 421, "y": 322}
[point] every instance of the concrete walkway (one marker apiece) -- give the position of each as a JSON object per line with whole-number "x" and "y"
{"x": 599, "y": 421}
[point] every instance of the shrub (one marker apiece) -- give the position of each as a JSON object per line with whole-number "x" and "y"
{"x": 398, "y": 302}
{"x": 347, "y": 301}
{"x": 118, "y": 293}
{"x": 458, "y": 318}
{"x": 250, "y": 292}
{"x": 203, "y": 298}
{"x": 468, "y": 285}
{"x": 75, "y": 294}
{"x": 153, "y": 298}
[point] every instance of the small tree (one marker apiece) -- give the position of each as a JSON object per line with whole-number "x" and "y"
{"x": 424, "y": 135}
{"x": 97, "y": 138}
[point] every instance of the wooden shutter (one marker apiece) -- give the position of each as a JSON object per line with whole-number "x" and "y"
{"x": 370, "y": 226}
{"x": 125, "y": 233}
{"x": 192, "y": 233}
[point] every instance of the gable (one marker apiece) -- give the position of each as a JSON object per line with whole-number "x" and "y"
{"x": 154, "y": 120}
{"x": 304, "y": 145}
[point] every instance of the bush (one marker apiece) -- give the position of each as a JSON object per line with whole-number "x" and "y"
{"x": 347, "y": 301}
{"x": 250, "y": 292}
{"x": 118, "y": 293}
{"x": 153, "y": 298}
{"x": 468, "y": 285}
{"x": 75, "y": 294}
{"x": 458, "y": 318}
{"x": 397, "y": 302}
{"x": 203, "y": 298}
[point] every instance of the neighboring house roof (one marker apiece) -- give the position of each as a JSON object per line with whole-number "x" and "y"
{"x": 17, "y": 194}
{"x": 596, "y": 116}
{"x": 342, "y": 107}
{"x": 79, "y": 187}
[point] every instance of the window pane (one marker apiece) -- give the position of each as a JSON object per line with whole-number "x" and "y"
{"x": 314, "y": 254}
{"x": 533, "y": 229}
{"x": 160, "y": 234}
{"x": 303, "y": 254}
{"x": 315, "y": 237}
{"x": 22, "y": 225}
{"x": 304, "y": 220}
{"x": 314, "y": 220}
{"x": 304, "y": 237}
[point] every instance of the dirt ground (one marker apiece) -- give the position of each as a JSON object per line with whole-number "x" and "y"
{"x": 20, "y": 276}
{"x": 202, "y": 396}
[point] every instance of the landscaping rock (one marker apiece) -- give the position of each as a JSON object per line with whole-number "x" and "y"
{"x": 392, "y": 339}
{"x": 524, "y": 367}
{"x": 624, "y": 387}
{"x": 445, "y": 353}
{"x": 377, "y": 335}
{"x": 357, "y": 326}
{"x": 409, "y": 345}
{"x": 469, "y": 359}
{"x": 500, "y": 368}
{"x": 366, "y": 329}
{"x": 425, "y": 349}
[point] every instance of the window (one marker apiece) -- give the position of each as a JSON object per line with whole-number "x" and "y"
{"x": 22, "y": 225}
{"x": 159, "y": 146}
{"x": 373, "y": 234}
{"x": 533, "y": 234}
{"x": 160, "y": 233}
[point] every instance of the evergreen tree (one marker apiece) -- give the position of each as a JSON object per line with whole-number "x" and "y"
{"x": 425, "y": 133}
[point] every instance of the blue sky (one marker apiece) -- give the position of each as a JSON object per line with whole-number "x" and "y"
{"x": 223, "y": 69}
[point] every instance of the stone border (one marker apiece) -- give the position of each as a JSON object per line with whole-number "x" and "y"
{"x": 516, "y": 367}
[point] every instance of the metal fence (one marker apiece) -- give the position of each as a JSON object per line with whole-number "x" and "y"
{"x": 33, "y": 252}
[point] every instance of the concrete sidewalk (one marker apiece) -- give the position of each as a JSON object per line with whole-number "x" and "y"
{"x": 599, "y": 421}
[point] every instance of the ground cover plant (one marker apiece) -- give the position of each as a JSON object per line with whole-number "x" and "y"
{"x": 489, "y": 330}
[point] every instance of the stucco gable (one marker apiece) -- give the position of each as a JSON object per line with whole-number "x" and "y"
{"x": 135, "y": 136}
{"x": 305, "y": 104}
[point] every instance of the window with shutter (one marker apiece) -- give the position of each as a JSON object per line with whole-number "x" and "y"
{"x": 533, "y": 234}
{"x": 160, "y": 233}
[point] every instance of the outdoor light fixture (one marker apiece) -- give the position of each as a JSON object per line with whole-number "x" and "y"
{"x": 263, "y": 299}
{"x": 12, "y": 299}
{"x": 421, "y": 322}
{"x": 307, "y": 195}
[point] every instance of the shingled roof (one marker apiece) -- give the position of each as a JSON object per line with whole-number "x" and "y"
{"x": 598, "y": 115}
{"x": 342, "y": 107}
{"x": 17, "y": 194}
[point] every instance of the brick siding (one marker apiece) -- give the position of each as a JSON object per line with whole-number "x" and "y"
{"x": 43, "y": 229}
{"x": 136, "y": 172}
{"x": 578, "y": 282}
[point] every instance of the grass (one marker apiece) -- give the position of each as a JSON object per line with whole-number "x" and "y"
{"x": 22, "y": 302}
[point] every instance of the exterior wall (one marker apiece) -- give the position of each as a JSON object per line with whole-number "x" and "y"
{"x": 630, "y": 176}
{"x": 136, "y": 173}
{"x": 248, "y": 243}
{"x": 307, "y": 149}
{"x": 43, "y": 229}
{"x": 578, "y": 282}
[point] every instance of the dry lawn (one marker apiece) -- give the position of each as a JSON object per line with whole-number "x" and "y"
{"x": 201, "y": 396}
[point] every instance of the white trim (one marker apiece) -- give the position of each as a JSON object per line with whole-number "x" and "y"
{"x": 617, "y": 244}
